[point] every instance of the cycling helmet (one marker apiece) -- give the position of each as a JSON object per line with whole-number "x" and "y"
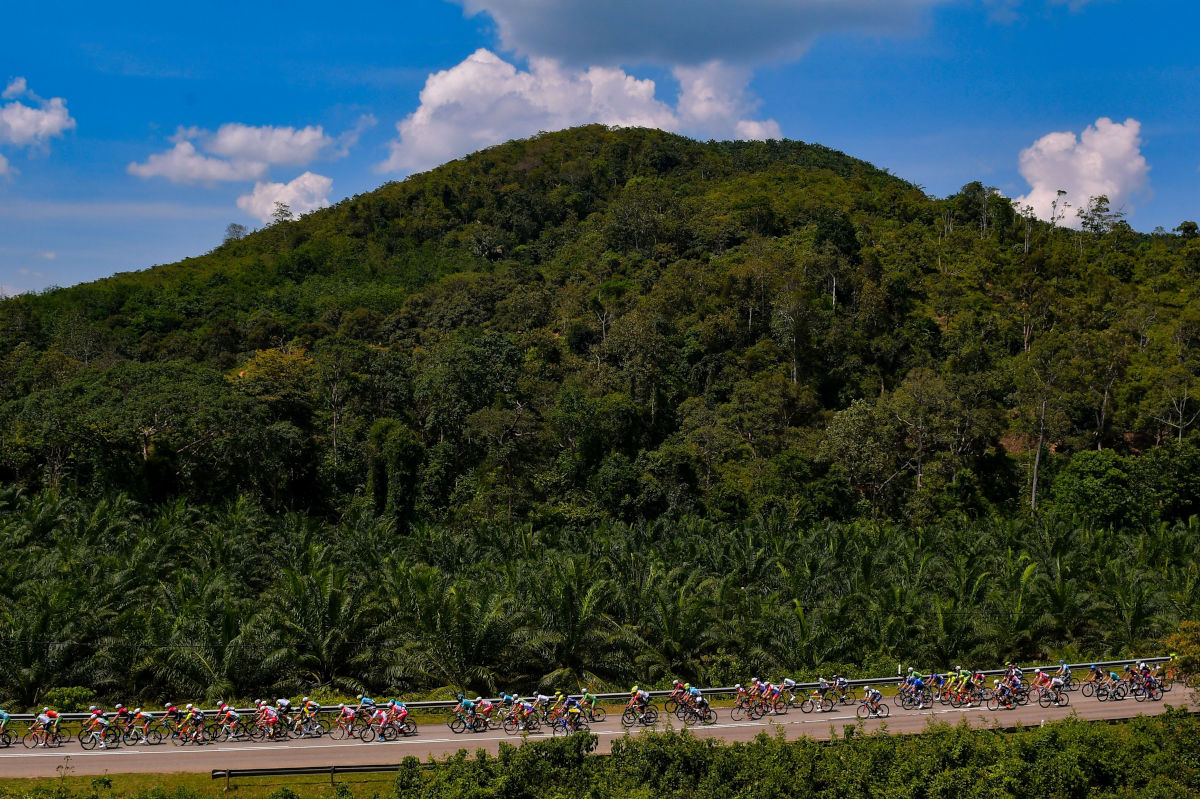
{"x": 687, "y": 686}
{"x": 635, "y": 690}
{"x": 460, "y": 697}
{"x": 189, "y": 707}
{"x": 305, "y": 699}
{"x": 342, "y": 706}
{"x": 360, "y": 697}
{"x": 737, "y": 687}
{"x": 477, "y": 699}
{"x": 754, "y": 679}
{"x": 92, "y": 708}
{"x": 1092, "y": 666}
{"x": 120, "y": 706}
{"x": 45, "y": 710}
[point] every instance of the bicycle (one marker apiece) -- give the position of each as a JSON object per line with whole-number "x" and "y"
{"x": 867, "y": 710}
{"x": 50, "y": 738}
{"x": 1053, "y": 696}
{"x": 646, "y": 717}
{"x": 693, "y": 715}
{"x": 105, "y": 737}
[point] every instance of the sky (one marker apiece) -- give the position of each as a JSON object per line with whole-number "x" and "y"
{"x": 132, "y": 134}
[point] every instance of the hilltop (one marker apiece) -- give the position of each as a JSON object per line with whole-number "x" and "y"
{"x": 623, "y": 324}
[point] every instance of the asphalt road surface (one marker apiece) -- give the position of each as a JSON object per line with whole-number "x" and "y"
{"x": 436, "y": 740}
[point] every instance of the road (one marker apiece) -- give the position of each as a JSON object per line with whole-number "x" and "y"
{"x": 436, "y": 741}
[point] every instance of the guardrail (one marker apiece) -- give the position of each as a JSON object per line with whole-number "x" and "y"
{"x": 299, "y": 771}
{"x": 607, "y": 697}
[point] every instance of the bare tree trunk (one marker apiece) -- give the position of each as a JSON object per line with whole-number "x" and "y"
{"x": 1037, "y": 456}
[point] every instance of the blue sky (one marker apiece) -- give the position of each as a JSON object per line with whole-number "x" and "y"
{"x": 132, "y": 134}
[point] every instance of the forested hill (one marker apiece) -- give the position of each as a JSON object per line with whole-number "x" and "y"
{"x": 626, "y": 324}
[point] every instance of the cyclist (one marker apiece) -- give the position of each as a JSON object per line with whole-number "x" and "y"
{"x": 397, "y": 712}
{"x": 1095, "y": 674}
{"x": 509, "y": 700}
{"x": 1056, "y": 686}
{"x": 268, "y": 717}
{"x": 588, "y": 702}
{"x": 771, "y": 693}
{"x": 173, "y": 718}
{"x": 121, "y": 716}
{"x": 379, "y": 717}
{"x": 522, "y": 712}
{"x": 140, "y": 723}
{"x": 466, "y": 708}
{"x": 283, "y": 706}
{"x": 571, "y": 714}
{"x": 1064, "y": 670}
{"x": 872, "y": 697}
{"x": 3, "y": 719}
{"x": 918, "y": 688}
{"x": 228, "y": 715}
{"x": 1003, "y": 691}
{"x": 345, "y": 717}
{"x": 46, "y": 723}
{"x": 700, "y": 703}
{"x": 96, "y": 722}
{"x": 639, "y": 700}
{"x": 196, "y": 717}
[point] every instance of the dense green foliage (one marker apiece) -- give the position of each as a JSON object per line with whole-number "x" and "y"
{"x": 621, "y": 324}
{"x": 172, "y": 603}
{"x": 1149, "y": 758}
{"x": 603, "y": 405}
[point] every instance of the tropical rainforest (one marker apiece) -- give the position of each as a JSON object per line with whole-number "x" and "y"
{"x": 601, "y": 406}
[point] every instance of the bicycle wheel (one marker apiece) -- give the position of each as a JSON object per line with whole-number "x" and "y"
{"x": 457, "y": 725}
{"x": 390, "y": 732}
{"x": 885, "y": 710}
{"x": 671, "y": 705}
{"x": 1088, "y": 689}
{"x": 807, "y": 705}
{"x": 408, "y": 727}
{"x": 993, "y": 703}
{"x": 89, "y": 741}
{"x": 780, "y": 707}
{"x": 1063, "y": 699}
{"x": 1121, "y": 692}
{"x": 510, "y": 726}
{"x": 850, "y": 697}
{"x": 651, "y": 716}
{"x": 827, "y": 705}
{"x": 479, "y": 724}
{"x": 1044, "y": 698}
{"x": 368, "y": 735}
{"x": 737, "y": 713}
{"x": 598, "y": 715}
{"x": 863, "y": 712}
{"x": 7, "y": 739}
{"x": 629, "y": 717}
{"x": 31, "y": 739}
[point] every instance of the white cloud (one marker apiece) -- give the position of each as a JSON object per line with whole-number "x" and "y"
{"x": 183, "y": 164}
{"x": 268, "y": 144}
{"x": 348, "y": 140}
{"x": 238, "y": 152}
{"x": 15, "y": 88}
{"x": 1105, "y": 159}
{"x": 486, "y": 100}
{"x": 307, "y": 192}
{"x": 7, "y": 290}
{"x": 5, "y": 169}
{"x": 22, "y": 124}
{"x": 46, "y": 255}
{"x": 714, "y": 99}
{"x": 688, "y": 32}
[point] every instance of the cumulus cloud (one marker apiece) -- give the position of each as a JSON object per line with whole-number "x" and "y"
{"x": 238, "y": 152}
{"x": 714, "y": 99}
{"x": 183, "y": 164}
{"x": 486, "y": 100}
{"x": 268, "y": 144}
{"x": 305, "y": 193}
{"x": 5, "y": 169}
{"x": 25, "y": 125}
{"x": 1105, "y": 159}
{"x": 15, "y": 88}
{"x": 688, "y": 32}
